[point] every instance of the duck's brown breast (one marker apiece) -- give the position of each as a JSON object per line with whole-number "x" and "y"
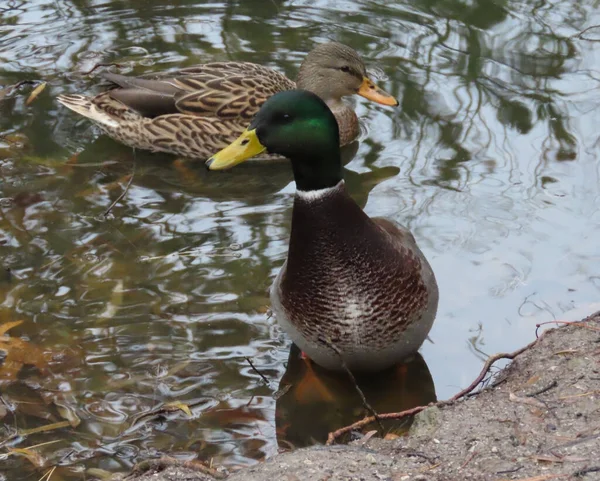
{"x": 346, "y": 281}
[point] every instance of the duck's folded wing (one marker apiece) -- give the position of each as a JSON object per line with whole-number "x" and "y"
{"x": 397, "y": 232}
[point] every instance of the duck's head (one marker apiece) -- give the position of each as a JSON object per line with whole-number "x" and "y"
{"x": 334, "y": 70}
{"x": 298, "y": 125}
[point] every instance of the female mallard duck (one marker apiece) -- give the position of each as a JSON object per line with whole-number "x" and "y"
{"x": 352, "y": 288}
{"x": 193, "y": 112}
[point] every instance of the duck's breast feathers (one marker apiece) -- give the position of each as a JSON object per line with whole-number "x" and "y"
{"x": 225, "y": 90}
{"x": 404, "y": 242}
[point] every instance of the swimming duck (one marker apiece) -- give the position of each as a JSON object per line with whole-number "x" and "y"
{"x": 195, "y": 111}
{"x": 353, "y": 288}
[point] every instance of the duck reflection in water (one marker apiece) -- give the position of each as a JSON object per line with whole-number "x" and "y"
{"x": 251, "y": 182}
{"x": 313, "y": 401}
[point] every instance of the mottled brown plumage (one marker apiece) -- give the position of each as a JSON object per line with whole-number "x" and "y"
{"x": 195, "y": 111}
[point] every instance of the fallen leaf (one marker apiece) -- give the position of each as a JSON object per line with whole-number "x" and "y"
{"x": 45, "y": 428}
{"x": 175, "y": 405}
{"x": 33, "y": 457}
{"x": 177, "y": 367}
{"x": 391, "y": 436}
{"x": 99, "y": 473}
{"x": 7, "y": 326}
{"x": 36, "y": 92}
{"x": 116, "y": 300}
{"x": 367, "y": 436}
{"x": 18, "y": 353}
{"x": 68, "y": 413}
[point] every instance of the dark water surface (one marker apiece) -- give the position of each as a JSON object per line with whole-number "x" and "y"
{"x": 491, "y": 159}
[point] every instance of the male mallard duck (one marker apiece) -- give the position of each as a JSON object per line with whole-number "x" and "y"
{"x": 352, "y": 287}
{"x": 195, "y": 111}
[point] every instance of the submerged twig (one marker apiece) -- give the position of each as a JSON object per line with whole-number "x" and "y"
{"x": 9, "y": 89}
{"x": 366, "y": 404}
{"x": 579, "y": 34}
{"x": 124, "y": 193}
{"x": 48, "y": 474}
{"x": 263, "y": 377}
{"x": 101, "y": 64}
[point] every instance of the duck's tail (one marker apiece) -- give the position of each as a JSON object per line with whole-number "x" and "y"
{"x": 84, "y": 106}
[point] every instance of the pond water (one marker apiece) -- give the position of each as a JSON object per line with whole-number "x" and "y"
{"x": 131, "y": 319}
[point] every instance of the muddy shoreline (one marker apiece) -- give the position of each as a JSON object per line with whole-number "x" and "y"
{"x": 541, "y": 421}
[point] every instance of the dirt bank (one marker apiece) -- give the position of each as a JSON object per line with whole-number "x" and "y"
{"x": 541, "y": 421}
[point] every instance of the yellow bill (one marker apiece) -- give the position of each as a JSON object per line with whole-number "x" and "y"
{"x": 245, "y": 146}
{"x": 370, "y": 91}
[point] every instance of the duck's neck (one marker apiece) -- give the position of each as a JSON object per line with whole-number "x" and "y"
{"x": 315, "y": 171}
{"x": 327, "y": 225}
{"x": 330, "y": 210}
{"x": 310, "y": 80}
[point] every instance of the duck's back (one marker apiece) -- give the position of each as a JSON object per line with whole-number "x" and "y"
{"x": 225, "y": 90}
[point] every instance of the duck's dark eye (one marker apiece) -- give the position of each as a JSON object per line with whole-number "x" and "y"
{"x": 345, "y": 69}
{"x": 285, "y": 117}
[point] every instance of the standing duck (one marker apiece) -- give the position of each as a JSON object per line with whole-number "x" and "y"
{"x": 196, "y": 111}
{"x": 353, "y": 288}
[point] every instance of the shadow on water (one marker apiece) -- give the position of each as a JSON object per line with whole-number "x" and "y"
{"x": 112, "y": 327}
{"x": 314, "y": 402}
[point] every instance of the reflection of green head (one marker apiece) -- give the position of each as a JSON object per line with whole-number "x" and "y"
{"x": 299, "y": 125}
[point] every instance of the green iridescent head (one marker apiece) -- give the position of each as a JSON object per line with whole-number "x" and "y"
{"x": 298, "y": 125}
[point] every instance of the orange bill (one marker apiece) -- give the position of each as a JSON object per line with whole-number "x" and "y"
{"x": 370, "y": 91}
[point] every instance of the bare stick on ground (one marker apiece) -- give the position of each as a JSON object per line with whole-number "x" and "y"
{"x": 567, "y": 323}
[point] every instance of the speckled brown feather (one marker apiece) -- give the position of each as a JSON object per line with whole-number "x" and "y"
{"x": 191, "y": 112}
{"x": 356, "y": 282}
